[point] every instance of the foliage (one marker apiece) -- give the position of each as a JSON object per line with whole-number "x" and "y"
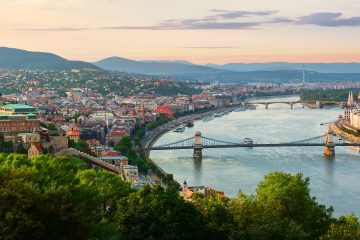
{"x": 80, "y": 145}
{"x": 345, "y": 228}
{"x": 158, "y": 214}
{"x": 5, "y": 146}
{"x": 21, "y": 149}
{"x": 61, "y": 198}
{"x": 338, "y": 95}
{"x": 56, "y": 198}
{"x": 160, "y": 120}
{"x": 140, "y": 160}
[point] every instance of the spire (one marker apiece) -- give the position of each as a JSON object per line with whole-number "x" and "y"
{"x": 350, "y": 99}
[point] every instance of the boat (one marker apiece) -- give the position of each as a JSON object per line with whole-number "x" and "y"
{"x": 208, "y": 118}
{"x": 251, "y": 107}
{"x": 180, "y": 129}
{"x": 248, "y": 141}
{"x": 217, "y": 115}
{"x": 240, "y": 109}
{"x": 190, "y": 123}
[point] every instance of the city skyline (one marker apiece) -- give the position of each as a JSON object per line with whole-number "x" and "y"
{"x": 201, "y": 32}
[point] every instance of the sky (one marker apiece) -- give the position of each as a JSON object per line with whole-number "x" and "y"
{"x": 200, "y": 31}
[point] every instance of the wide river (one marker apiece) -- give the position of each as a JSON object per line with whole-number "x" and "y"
{"x": 335, "y": 182}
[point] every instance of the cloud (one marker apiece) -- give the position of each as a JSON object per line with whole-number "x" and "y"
{"x": 227, "y": 20}
{"x": 239, "y": 14}
{"x": 328, "y": 19}
{"x": 218, "y": 20}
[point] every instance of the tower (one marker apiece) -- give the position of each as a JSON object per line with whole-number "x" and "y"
{"x": 329, "y": 149}
{"x": 350, "y": 101}
{"x": 303, "y": 72}
{"x": 198, "y": 145}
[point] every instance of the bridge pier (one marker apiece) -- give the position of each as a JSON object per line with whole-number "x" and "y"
{"x": 329, "y": 149}
{"x": 266, "y": 106}
{"x": 198, "y": 146}
{"x": 291, "y": 105}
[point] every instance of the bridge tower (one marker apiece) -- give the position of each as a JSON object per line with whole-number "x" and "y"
{"x": 329, "y": 149}
{"x": 198, "y": 145}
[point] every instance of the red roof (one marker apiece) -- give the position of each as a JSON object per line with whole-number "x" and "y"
{"x": 119, "y": 133}
{"x": 73, "y": 133}
{"x": 59, "y": 119}
{"x": 110, "y": 153}
{"x": 164, "y": 110}
{"x": 38, "y": 148}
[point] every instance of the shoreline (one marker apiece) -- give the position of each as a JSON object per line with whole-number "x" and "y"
{"x": 152, "y": 136}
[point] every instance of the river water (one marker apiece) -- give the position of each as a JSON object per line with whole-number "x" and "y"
{"x": 334, "y": 182}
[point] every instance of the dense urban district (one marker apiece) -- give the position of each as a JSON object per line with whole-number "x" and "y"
{"x": 72, "y": 164}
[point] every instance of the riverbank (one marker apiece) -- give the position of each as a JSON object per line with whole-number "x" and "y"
{"x": 335, "y": 127}
{"x": 152, "y": 136}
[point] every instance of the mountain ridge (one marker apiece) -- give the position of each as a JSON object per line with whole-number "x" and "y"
{"x": 19, "y": 59}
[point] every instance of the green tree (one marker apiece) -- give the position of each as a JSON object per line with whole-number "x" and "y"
{"x": 214, "y": 209}
{"x": 21, "y": 149}
{"x": 158, "y": 214}
{"x": 124, "y": 145}
{"x": 345, "y": 228}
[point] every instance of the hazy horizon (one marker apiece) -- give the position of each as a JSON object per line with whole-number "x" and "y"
{"x": 205, "y": 31}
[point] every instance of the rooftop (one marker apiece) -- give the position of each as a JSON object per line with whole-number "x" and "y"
{"x": 17, "y": 106}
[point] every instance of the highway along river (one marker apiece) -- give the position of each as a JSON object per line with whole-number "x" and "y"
{"x": 333, "y": 182}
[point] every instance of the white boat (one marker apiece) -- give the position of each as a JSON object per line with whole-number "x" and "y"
{"x": 251, "y": 107}
{"x": 180, "y": 129}
{"x": 217, "y": 115}
{"x": 248, "y": 141}
{"x": 240, "y": 109}
{"x": 208, "y": 118}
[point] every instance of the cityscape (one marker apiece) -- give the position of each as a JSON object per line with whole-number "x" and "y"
{"x": 171, "y": 131}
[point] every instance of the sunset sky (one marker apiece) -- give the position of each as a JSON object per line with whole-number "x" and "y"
{"x": 201, "y": 31}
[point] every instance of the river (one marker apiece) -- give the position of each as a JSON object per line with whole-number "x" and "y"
{"x": 334, "y": 182}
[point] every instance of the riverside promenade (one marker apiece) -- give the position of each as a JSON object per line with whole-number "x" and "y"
{"x": 151, "y": 136}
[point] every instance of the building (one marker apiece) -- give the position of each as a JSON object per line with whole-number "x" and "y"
{"x": 18, "y": 118}
{"x": 349, "y": 107}
{"x": 19, "y": 123}
{"x": 350, "y": 102}
{"x": 164, "y": 110}
{"x": 12, "y": 109}
{"x": 355, "y": 118}
{"x": 73, "y": 132}
{"x": 131, "y": 173}
{"x": 34, "y": 150}
{"x": 29, "y": 137}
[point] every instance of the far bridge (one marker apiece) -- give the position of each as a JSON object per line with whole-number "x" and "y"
{"x": 199, "y": 142}
{"x": 314, "y": 104}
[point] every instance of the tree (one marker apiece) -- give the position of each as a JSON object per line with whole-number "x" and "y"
{"x": 57, "y": 198}
{"x": 158, "y": 214}
{"x": 124, "y": 145}
{"x": 346, "y": 228}
{"x": 214, "y": 209}
{"x": 21, "y": 149}
{"x": 82, "y": 146}
{"x": 285, "y": 201}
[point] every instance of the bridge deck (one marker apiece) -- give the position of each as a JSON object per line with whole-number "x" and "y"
{"x": 256, "y": 145}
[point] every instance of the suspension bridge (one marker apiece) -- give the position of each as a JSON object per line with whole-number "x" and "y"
{"x": 315, "y": 104}
{"x": 199, "y": 142}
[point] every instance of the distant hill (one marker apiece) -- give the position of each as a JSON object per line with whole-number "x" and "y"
{"x": 275, "y": 66}
{"x": 270, "y": 76}
{"x": 12, "y": 58}
{"x": 153, "y": 67}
